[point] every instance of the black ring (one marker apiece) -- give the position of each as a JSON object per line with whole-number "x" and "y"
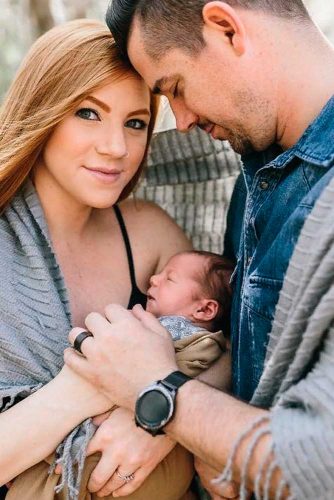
{"x": 79, "y": 340}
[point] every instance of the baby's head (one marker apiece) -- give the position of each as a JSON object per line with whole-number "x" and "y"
{"x": 195, "y": 285}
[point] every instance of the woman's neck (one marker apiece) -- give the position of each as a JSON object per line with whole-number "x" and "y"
{"x": 66, "y": 217}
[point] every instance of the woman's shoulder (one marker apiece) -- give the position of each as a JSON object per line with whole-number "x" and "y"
{"x": 143, "y": 211}
{"x": 152, "y": 227}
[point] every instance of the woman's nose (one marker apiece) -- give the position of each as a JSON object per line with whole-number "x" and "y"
{"x": 112, "y": 143}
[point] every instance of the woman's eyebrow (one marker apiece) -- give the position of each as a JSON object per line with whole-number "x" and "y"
{"x": 102, "y": 104}
{"x": 143, "y": 111}
{"x": 106, "y": 108}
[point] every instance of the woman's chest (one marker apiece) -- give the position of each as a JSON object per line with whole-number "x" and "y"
{"x": 95, "y": 279}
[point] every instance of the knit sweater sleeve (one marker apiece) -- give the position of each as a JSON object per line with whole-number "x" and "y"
{"x": 297, "y": 385}
{"x": 303, "y": 431}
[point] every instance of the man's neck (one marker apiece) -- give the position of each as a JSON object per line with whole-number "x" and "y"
{"x": 306, "y": 86}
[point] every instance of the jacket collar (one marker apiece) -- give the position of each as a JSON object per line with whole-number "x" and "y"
{"x": 316, "y": 145}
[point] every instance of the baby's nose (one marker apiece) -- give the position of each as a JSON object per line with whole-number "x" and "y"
{"x": 154, "y": 280}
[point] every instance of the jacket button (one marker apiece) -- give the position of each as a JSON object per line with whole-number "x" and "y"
{"x": 264, "y": 185}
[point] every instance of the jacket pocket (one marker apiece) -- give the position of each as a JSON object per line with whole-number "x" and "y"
{"x": 261, "y": 295}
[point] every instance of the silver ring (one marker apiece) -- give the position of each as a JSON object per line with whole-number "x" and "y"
{"x": 126, "y": 477}
{"x": 79, "y": 340}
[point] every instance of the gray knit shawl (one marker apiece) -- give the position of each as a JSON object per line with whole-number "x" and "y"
{"x": 298, "y": 379}
{"x": 34, "y": 316}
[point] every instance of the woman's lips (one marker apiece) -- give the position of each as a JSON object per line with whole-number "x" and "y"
{"x": 105, "y": 175}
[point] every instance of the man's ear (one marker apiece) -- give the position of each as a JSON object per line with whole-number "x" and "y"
{"x": 206, "y": 310}
{"x": 223, "y": 18}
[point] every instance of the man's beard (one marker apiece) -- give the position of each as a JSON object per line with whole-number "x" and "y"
{"x": 241, "y": 145}
{"x": 239, "y": 142}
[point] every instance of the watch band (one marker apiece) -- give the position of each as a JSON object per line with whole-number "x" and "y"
{"x": 175, "y": 380}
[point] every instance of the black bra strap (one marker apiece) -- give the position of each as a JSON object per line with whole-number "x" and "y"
{"x": 127, "y": 244}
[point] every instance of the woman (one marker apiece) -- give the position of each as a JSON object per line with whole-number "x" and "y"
{"x": 74, "y": 132}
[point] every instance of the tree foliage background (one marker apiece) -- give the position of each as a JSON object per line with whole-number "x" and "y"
{"x": 21, "y": 21}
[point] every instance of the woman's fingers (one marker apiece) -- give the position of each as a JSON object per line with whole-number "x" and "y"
{"x": 58, "y": 469}
{"x": 103, "y": 471}
{"x": 127, "y": 488}
{"x": 116, "y": 483}
{"x": 228, "y": 489}
{"x": 207, "y": 475}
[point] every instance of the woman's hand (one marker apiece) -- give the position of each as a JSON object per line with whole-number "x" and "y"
{"x": 221, "y": 491}
{"x": 126, "y": 449}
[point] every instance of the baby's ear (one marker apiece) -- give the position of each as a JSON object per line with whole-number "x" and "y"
{"x": 206, "y": 310}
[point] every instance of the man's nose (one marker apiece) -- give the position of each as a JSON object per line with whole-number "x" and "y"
{"x": 186, "y": 120}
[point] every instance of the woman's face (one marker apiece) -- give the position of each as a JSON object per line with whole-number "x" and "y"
{"x": 94, "y": 152}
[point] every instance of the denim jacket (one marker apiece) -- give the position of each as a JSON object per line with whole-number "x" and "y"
{"x": 271, "y": 200}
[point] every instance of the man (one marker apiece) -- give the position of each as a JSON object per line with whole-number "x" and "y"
{"x": 260, "y": 75}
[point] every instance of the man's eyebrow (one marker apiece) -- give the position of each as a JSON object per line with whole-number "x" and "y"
{"x": 143, "y": 111}
{"x": 162, "y": 82}
{"x": 102, "y": 104}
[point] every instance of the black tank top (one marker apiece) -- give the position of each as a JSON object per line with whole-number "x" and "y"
{"x": 136, "y": 297}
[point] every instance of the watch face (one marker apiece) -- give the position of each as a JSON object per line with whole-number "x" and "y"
{"x": 153, "y": 408}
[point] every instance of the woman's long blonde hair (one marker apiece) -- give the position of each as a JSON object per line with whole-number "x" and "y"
{"x": 60, "y": 70}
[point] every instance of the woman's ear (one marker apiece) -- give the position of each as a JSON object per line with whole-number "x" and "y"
{"x": 206, "y": 310}
{"x": 225, "y": 21}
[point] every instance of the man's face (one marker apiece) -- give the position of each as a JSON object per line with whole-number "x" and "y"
{"x": 216, "y": 90}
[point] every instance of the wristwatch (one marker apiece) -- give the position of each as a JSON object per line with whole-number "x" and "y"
{"x": 155, "y": 405}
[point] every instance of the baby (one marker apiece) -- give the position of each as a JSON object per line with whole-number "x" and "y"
{"x": 191, "y": 297}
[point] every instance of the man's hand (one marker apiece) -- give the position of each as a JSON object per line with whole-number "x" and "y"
{"x": 128, "y": 351}
{"x": 225, "y": 490}
{"x": 126, "y": 448}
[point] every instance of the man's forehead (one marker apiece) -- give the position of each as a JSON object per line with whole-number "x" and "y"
{"x": 136, "y": 49}
{"x": 155, "y": 73}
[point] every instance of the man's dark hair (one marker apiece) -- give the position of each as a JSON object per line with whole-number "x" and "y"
{"x": 169, "y": 24}
{"x": 214, "y": 280}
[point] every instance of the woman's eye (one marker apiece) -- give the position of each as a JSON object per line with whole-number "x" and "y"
{"x": 87, "y": 114}
{"x": 136, "y": 124}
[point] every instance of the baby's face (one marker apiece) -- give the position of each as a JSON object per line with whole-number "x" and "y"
{"x": 175, "y": 291}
